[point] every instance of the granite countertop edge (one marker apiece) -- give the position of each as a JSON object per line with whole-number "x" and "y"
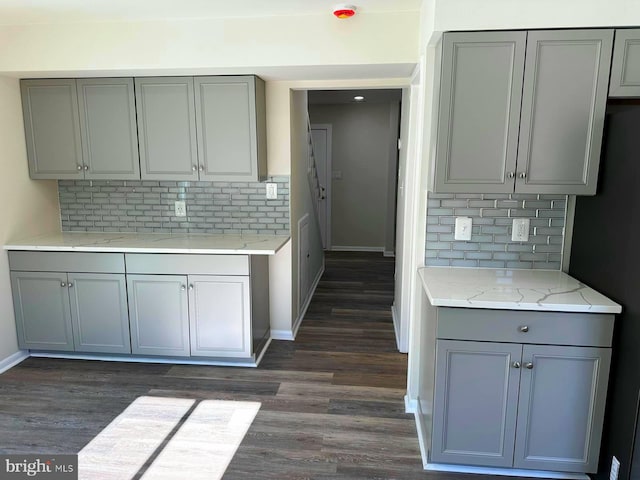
{"x": 456, "y": 287}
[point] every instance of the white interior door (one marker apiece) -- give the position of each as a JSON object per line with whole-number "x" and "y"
{"x": 321, "y": 136}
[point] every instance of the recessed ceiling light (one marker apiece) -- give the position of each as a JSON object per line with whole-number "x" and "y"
{"x": 359, "y": 98}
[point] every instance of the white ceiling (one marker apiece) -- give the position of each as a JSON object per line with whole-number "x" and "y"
{"x": 20, "y": 12}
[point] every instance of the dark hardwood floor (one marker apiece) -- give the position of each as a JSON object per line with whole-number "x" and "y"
{"x": 332, "y": 401}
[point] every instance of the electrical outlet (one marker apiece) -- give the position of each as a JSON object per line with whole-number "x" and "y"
{"x": 272, "y": 191}
{"x": 463, "y": 228}
{"x": 520, "y": 230}
{"x": 180, "y": 208}
{"x": 615, "y": 469}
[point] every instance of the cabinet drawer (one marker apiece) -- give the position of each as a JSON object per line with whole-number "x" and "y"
{"x": 179, "y": 264}
{"x": 548, "y": 328}
{"x": 82, "y": 262}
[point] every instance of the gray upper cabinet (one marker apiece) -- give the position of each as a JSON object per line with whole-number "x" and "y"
{"x": 563, "y": 109}
{"x": 158, "y": 314}
{"x": 560, "y": 421}
{"x": 166, "y": 128}
{"x": 476, "y": 397}
{"x": 479, "y": 112}
{"x": 230, "y": 121}
{"x": 220, "y": 316}
{"x": 625, "y": 69}
{"x": 108, "y": 128}
{"x": 52, "y": 128}
{"x": 99, "y": 312}
{"x": 521, "y": 111}
{"x": 42, "y": 310}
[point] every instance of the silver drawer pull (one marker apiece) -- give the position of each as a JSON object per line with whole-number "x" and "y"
{"x": 511, "y": 175}
{"x": 63, "y": 284}
{"x": 70, "y": 285}
{"x": 79, "y": 167}
{"x": 515, "y": 364}
{"x": 528, "y": 365}
{"x": 86, "y": 167}
{"x": 194, "y": 168}
{"x": 524, "y": 328}
{"x": 183, "y": 287}
{"x": 191, "y": 287}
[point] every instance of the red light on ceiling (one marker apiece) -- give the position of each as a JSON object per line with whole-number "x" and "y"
{"x": 344, "y": 11}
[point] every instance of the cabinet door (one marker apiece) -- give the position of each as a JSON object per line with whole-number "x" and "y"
{"x": 166, "y": 128}
{"x": 625, "y": 68}
{"x": 476, "y": 395}
{"x": 52, "y": 128}
{"x": 41, "y": 303}
{"x": 108, "y": 127}
{"x": 226, "y": 124}
{"x": 479, "y": 112}
{"x": 99, "y": 312}
{"x": 561, "y": 407}
{"x": 220, "y": 311}
{"x": 563, "y": 109}
{"x": 159, "y": 315}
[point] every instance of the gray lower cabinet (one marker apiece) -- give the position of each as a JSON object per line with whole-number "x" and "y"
{"x": 475, "y": 404}
{"x": 231, "y": 126}
{"x": 83, "y": 312}
{"x": 159, "y": 314}
{"x": 220, "y": 316}
{"x": 516, "y": 403}
{"x": 561, "y": 407}
{"x": 43, "y": 313}
{"x": 52, "y": 128}
{"x": 99, "y": 312}
{"x": 625, "y": 67}
{"x": 521, "y": 111}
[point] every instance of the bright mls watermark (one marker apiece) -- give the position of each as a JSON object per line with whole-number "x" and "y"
{"x": 50, "y": 467}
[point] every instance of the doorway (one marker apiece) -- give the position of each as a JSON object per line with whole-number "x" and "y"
{"x": 354, "y": 137}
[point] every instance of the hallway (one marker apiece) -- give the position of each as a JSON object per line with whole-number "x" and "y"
{"x": 332, "y": 401}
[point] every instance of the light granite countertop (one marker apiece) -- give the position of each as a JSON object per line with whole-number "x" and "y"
{"x": 152, "y": 243}
{"x": 541, "y": 290}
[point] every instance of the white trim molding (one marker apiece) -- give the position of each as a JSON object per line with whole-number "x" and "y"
{"x": 347, "y": 248}
{"x": 13, "y": 360}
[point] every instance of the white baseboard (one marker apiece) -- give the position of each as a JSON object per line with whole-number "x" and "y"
{"x": 507, "y": 472}
{"x": 13, "y": 360}
{"x": 423, "y": 433}
{"x": 396, "y": 325}
{"x": 133, "y": 359}
{"x": 389, "y": 253}
{"x": 264, "y": 350}
{"x": 290, "y": 335}
{"x": 410, "y": 404}
{"x": 345, "y": 248}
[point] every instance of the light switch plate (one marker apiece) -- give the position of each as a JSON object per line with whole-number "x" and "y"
{"x": 463, "y": 228}
{"x": 520, "y": 230}
{"x": 272, "y": 191}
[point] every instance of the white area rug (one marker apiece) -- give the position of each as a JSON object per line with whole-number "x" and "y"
{"x": 202, "y": 447}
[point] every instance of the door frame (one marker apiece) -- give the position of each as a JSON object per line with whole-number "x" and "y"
{"x": 329, "y": 177}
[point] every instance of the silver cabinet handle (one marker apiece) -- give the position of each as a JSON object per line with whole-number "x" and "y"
{"x": 191, "y": 287}
{"x": 523, "y": 175}
{"x": 515, "y": 364}
{"x": 79, "y": 167}
{"x": 201, "y": 168}
{"x": 194, "y": 168}
{"x": 528, "y": 365}
{"x": 511, "y": 175}
{"x": 183, "y": 287}
{"x": 524, "y": 328}
{"x": 63, "y": 284}
{"x": 86, "y": 167}
{"x": 70, "y": 285}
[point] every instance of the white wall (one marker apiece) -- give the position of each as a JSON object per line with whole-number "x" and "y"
{"x": 31, "y": 206}
{"x": 301, "y": 198}
{"x": 223, "y": 45}
{"x": 360, "y": 151}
